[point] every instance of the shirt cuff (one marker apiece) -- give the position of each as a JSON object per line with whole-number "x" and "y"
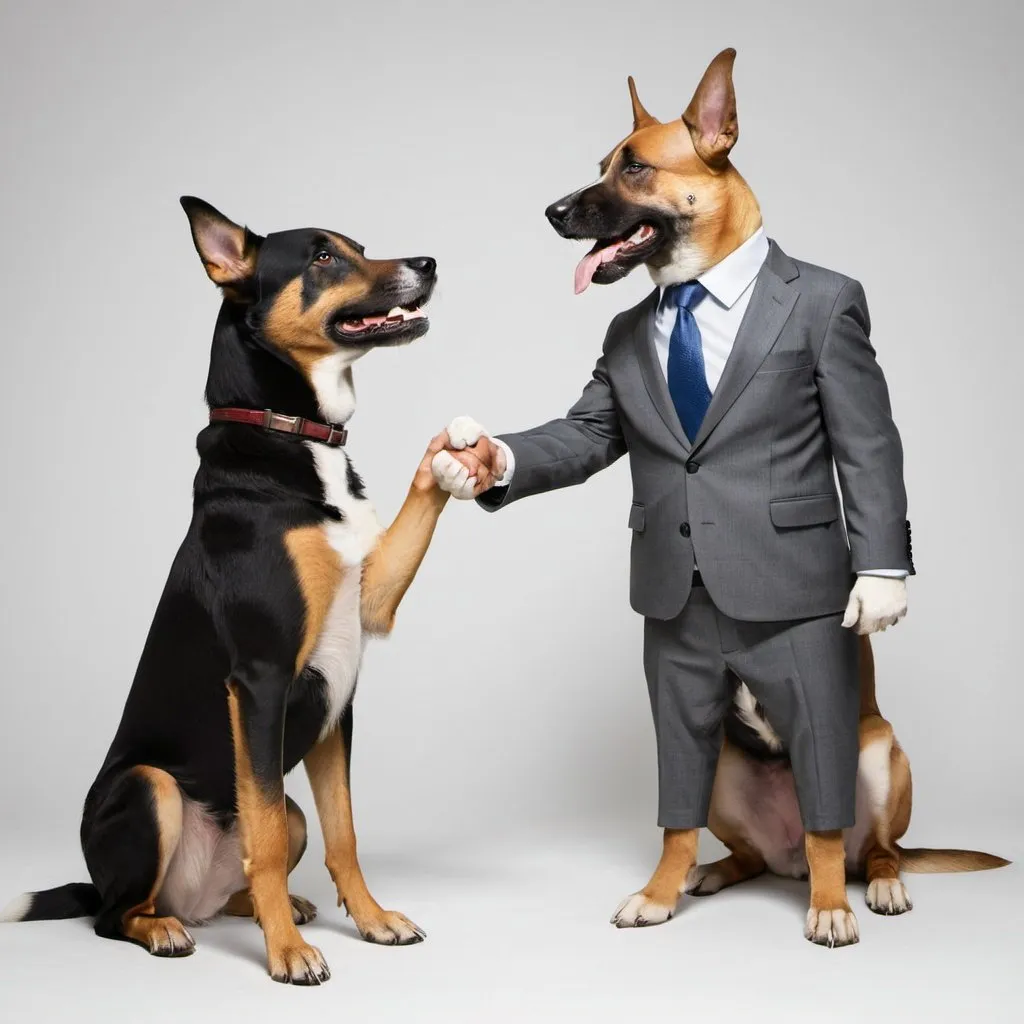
{"x": 510, "y": 463}
{"x": 896, "y": 574}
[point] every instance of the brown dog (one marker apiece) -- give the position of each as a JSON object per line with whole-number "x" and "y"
{"x": 669, "y": 198}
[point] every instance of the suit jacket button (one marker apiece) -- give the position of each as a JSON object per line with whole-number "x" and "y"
{"x": 692, "y": 467}
{"x": 685, "y": 529}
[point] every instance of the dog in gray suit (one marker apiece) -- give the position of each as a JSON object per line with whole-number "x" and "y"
{"x": 741, "y": 387}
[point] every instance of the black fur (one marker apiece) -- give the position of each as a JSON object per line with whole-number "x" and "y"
{"x": 231, "y": 610}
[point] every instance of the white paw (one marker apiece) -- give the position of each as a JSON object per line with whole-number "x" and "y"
{"x": 888, "y": 896}
{"x": 638, "y": 911}
{"x": 464, "y": 431}
{"x": 452, "y": 476}
{"x": 832, "y": 927}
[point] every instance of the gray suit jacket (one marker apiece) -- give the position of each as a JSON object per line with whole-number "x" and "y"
{"x": 753, "y": 499}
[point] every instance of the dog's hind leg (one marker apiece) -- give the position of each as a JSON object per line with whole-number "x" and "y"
{"x": 240, "y": 904}
{"x": 128, "y": 843}
{"x": 327, "y": 765}
{"x": 886, "y": 893}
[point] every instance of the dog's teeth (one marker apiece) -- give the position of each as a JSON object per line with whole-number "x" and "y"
{"x": 395, "y": 311}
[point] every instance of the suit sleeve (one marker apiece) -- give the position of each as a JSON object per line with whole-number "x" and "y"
{"x": 565, "y": 451}
{"x": 865, "y": 443}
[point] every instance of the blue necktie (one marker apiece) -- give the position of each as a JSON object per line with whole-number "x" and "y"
{"x": 687, "y": 382}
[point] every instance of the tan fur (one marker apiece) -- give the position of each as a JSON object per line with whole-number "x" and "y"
{"x": 390, "y": 567}
{"x": 726, "y": 211}
{"x": 240, "y": 904}
{"x": 263, "y": 826}
{"x": 678, "y": 857}
{"x": 301, "y": 332}
{"x": 162, "y": 936}
{"x": 318, "y": 571}
{"x": 327, "y": 768}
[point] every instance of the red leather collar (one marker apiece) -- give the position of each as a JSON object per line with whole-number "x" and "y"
{"x": 326, "y": 433}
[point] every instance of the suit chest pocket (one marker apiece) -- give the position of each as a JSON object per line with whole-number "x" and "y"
{"x": 780, "y": 360}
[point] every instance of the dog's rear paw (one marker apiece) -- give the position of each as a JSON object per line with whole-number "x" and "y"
{"x": 888, "y": 896}
{"x": 832, "y": 927}
{"x": 705, "y": 880}
{"x": 302, "y": 910}
{"x": 639, "y": 911}
{"x": 162, "y": 936}
{"x": 300, "y": 964}
{"x": 389, "y": 928}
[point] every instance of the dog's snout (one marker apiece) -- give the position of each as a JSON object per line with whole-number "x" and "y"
{"x": 558, "y": 211}
{"x": 422, "y": 264}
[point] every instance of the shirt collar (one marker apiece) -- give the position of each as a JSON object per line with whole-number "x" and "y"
{"x": 728, "y": 279}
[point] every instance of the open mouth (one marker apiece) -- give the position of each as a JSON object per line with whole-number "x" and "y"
{"x": 398, "y": 321}
{"x": 613, "y": 258}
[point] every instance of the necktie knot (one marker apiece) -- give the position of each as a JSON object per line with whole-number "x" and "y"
{"x": 686, "y": 295}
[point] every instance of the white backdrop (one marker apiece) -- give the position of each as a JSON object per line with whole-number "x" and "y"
{"x": 882, "y": 141}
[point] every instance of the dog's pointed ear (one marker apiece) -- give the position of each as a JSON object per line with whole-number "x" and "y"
{"x": 711, "y": 115}
{"x": 228, "y": 251}
{"x": 641, "y": 119}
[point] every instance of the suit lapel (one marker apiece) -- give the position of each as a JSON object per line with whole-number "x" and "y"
{"x": 766, "y": 315}
{"x": 650, "y": 368}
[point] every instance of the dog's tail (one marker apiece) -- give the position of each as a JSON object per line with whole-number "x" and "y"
{"x": 926, "y": 861}
{"x": 76, "y": 899}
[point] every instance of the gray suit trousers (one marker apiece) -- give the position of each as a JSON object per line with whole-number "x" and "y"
{"x": 804, "y": 673}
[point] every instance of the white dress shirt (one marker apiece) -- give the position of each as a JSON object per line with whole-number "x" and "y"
{"x": 729, "y": 284}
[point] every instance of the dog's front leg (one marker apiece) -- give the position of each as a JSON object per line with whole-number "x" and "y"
{"x": 389, "y": 569}
{"x": 327, "y": 765}
{"x": 830, "y": 921}
{"x": 657, "y": 901}
{"x": 256, "y": 702}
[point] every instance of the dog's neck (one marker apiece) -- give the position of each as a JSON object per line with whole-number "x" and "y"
{"x": 713, "y": 238}
{"x": 247, "y": 373}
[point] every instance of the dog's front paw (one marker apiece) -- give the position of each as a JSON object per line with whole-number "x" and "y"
{"x": 888, "y": 896}
{"x": 298, "y": 964}
{"x": 639, "y": 911}
{"x": 464, "y": 431}
{"x": 452, "y": 476}
{"x": 832, "y": 927}
{"x": 389, "y": 928}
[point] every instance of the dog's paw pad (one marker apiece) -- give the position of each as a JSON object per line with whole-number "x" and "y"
{"x": 302, "y": 910}
{"x": 639, "y": 911}
{"x": 464, "y": 431}
{"x": 300, "y": 964}
{"x": 832, "y": 927}
{"x": 390, "y": 928}
{"x": 888, "y": 896}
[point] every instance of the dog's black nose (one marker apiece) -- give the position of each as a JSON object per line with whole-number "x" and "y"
{"x": 558, "y": 211}
{"x": 424, "y": 264}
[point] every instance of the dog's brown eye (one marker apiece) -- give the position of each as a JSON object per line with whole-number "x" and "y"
{"x": 634, "y": 168}
{"x": 323, "y": 257}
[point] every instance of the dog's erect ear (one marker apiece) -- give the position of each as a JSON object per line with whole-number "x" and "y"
{"x": 711, "y": 115}
{"x": 641, "y": 119}
{"x": 227, "y": 250}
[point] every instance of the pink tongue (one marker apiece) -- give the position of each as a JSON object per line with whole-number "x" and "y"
{"x": 588, "y": 265}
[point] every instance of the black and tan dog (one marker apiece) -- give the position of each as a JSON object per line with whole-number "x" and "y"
{"x": 670, "y": 198}
{"x": 252, "y": 658}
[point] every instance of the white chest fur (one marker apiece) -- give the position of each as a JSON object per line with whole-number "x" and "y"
{"x": 339, "y": 649}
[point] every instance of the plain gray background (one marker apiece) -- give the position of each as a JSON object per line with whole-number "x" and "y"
{"x": 504, "y": 770}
